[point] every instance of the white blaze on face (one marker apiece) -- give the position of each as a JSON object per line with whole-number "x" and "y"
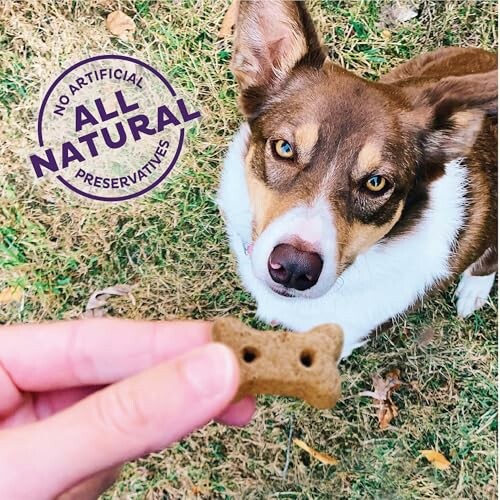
{"x": 309, "y": 229}
{"x": 314, "y": 226}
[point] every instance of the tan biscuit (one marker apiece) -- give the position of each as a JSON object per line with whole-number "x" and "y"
{"x": 284, "y": 363}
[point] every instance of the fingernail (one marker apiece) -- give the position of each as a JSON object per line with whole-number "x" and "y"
{"x": 211, "y": 370}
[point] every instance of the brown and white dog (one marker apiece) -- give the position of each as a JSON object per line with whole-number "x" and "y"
{"x": 347, "y": 201}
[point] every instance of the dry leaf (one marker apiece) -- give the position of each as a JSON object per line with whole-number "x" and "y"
{"x": 393, "y": 15}
{"x": 435, "y": 458}
{"x": 384, "y": 387}
{"x": 119, "y": 24}
{"x": 382, "y": 394}
{"x": 386, "y": 413}
{"x": 229, "y": 20}
{"x": 322, "y": 457}
{"x": 402, "y": 13}
{"x": 96, "y": 306}
{"x": 426, "y": 336}
{"x": 11, "y": 294}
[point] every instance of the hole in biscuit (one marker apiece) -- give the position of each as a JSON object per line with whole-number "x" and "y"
{"x": 307, "y": 358}
{"x": 250, "y": 354}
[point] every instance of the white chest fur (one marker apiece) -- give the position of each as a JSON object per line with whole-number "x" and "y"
{"x": 381, "y": 283}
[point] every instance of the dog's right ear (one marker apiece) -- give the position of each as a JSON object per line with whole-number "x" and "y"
{"x": 449, "y": 113}
{"x": 271, "y": 38}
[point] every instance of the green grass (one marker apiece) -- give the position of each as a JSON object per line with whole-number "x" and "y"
{"x": 171, "y": 245}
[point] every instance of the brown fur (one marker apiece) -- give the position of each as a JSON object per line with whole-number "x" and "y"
{"x": 306, "y": 137}
{"x": 430, "y": 110}
{"x": 477, "y": 134}
{"x": 266, "y": 204}
{"x": 360, "y": 237}
{"x": 369, "y": 159}
{"x": 442, "y": 63}
{"x": 479, "y": 238}
{"x": 486, "y": 264}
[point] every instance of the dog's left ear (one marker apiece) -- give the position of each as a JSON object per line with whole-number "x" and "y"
{"x": 271, "y": 38}
{"x": 449, "y": 113}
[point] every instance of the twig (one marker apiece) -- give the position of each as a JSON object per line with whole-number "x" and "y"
{"x": 288, "y": 448}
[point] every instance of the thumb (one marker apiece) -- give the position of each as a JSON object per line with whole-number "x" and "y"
{"x": 124, "y": 421}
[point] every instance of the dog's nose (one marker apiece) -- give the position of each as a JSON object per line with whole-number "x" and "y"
{"x": 294, "y": 268}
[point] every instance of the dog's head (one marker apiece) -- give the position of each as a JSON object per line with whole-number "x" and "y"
{"x": 332, "y": 158}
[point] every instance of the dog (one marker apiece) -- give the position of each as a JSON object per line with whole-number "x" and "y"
{"x": 348, "y": 201}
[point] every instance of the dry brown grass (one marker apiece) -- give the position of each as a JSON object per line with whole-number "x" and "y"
{"x": 171, "y": 245}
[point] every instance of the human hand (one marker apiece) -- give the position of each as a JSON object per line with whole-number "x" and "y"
{"x": 79, "y": 398}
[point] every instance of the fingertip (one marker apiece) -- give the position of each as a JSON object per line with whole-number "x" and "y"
{"x": 212, "y": 372}
{"x": 227, "y": 355}
{"x": 238, "y": 414}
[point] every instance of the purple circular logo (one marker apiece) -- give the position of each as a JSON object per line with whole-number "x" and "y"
{"x": 110, "y": 128}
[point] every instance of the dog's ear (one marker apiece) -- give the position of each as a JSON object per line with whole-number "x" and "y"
{"x": 271, "y": 38}
{"x": 449, "y": 113}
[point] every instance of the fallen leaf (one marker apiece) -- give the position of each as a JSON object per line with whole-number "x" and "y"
{"x": 322, "y": 457}
{"x": 382, "y": 394}
{"x": 120, "y": 25}
{"x": 11, "y": 294}
{"x": 386, "y": 414}
{"x": 392, "y": 15}
{"x": 384, "y": 387}
{"x": 435, "y": 458}
{"x": 96, "y": 305}
{"x": 229, "y": 20}
{"x": 427, "y": 336}
{"x": 402, "y": 13}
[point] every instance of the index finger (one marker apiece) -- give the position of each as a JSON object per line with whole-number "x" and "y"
{"x": 58, "y": 355}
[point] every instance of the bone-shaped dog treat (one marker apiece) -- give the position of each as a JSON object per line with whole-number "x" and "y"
{"x": 284, "y": 363}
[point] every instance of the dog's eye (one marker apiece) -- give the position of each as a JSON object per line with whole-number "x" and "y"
{"x": 283, "y": 149}
{"x": 375, "y": 183}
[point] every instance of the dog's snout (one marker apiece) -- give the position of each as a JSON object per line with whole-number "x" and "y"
{"x": 294, "y": 268}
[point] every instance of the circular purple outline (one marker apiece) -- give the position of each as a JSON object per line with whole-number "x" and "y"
{"x": 97, "y": 58}
{"x": 133, "y": 195}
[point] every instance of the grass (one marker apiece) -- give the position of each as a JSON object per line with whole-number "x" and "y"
{"x": 171, "y": 246}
